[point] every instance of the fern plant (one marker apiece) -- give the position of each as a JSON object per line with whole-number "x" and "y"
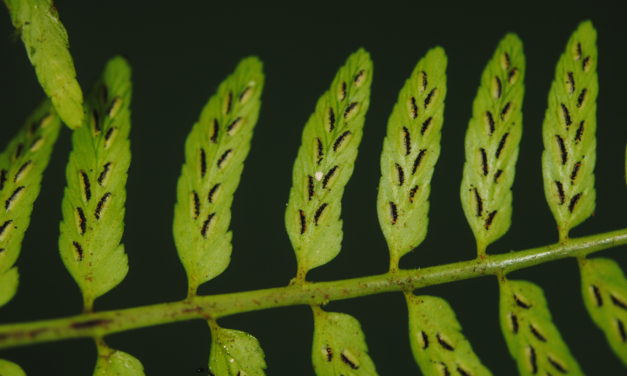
{"x": 94, "y": 200}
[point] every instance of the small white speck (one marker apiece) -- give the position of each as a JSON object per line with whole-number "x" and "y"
{"x": 318, "y": 175}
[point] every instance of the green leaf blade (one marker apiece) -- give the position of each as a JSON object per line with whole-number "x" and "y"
{"x": 410, "y": 152}
{"x": 437, "y": 341}
{"x": 492, "y": 143}
{"x": 215, "y": 151}
{"x": 532, "y": 338}
{"x": 324, "y": 164}
{"x": 234, "y": 352}
{"x": 22, "y": 164}
{"x": 10, "y": 369}
{"x": 604, "y": 290}
{"x": 569, "y": 132}
{"x": 339, "y": 346}
{"x": 94, "y": 201}
{"x": 46, "y": 43}
{"x": 113, "y": 362}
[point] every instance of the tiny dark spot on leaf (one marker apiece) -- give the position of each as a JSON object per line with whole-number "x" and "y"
{"x": 206, "y": 224}
{"x": 224, "y": 158}
{"x": 331, "y": 120}
{"x": 557, "y": 365}
{"x": 340, "y": 140}
{"x": 429, "y": 97}
{"x": 101, "y": 205}
{"x": 203, "y": 163}
{"x": 319, "y": 212}
{"x": 597, "y": 295}
{"x": 400, "y": 174}
{"x": 560, "y": 191}
{"x": 216, "y": 131}
{"x": 501, "y": 145}
{"x": 328, "y": 176}
{"x": 533, "y": 361}
{"x": 86, "y": 185}
{"x": 566, "y": 114}
{"x": 350, "y": 111}
{"x": 490, "y": 122}
{"x": 484, "y": 161}
{"x": 412, "y": 193}
{"x": 562, "y": 146}
{"x": 582, "y": 97}
{"x": 212, "y": 192}
{"x": 536, "y": 333}
{"x": 82, "y": 221}
{"x": 506, "y": 111}
{"x": 310, "y": 187}
{"x": 413, "y": 108}
{"x": 573, "y": 202}
{"x": 425, "y": 125}
{"x": 520, "y": 301}
{"x": 479, "y": 202}
{"x": 418, "y": 160}
{"x": 579, "y": 132}
{"x": 303, "y": 221}
{"x": 570, "y": 82}
{"x": 445, "y": 345}
{"x": 618, "y": 302}
{"x": 103, "y": 174}
{"x": 490, "y": 219}
{"x": 407, "y": 140}
{"x": 78, "y": 249}
{"x": 196, "y": 204}
{"x": 393, "y": 212}
{"x": 14, "y": 196}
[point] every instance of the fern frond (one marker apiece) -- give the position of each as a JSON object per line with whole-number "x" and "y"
{"x": 339, "y": 346}
{"x": 410, "y": 152}
{"x": 569, "y": 132}
{"x": 22, "y": 164}
{"x": 324, "y": 164}
{"x": 113, "y": 362}
{"x": 10, "y": 369}
{"x": 93, "y": 203}
{"x": 46, "y": 43}
{"x": 234, "y": 352}
{"x": 492, "y": 141}
{"x": 604, "y": 290}
{"x": 436, "y": 339}
{"x": 531, "y": 336}
{"x": 215, "y": 151}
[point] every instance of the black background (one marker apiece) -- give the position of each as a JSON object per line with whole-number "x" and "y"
{"x": 180, "y": 53}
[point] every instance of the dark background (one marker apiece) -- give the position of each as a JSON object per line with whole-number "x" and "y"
{"x": 181, "y": 52}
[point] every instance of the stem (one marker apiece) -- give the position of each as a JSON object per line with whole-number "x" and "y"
{"x": 318, "y": 293}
